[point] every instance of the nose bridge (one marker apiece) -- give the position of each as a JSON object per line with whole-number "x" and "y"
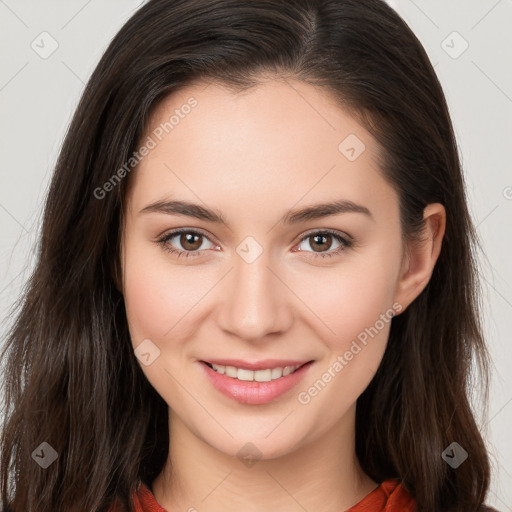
{"x": 254, "y": 302}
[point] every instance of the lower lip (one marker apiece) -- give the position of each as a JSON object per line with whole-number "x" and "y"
{"x": 252, "y": 392}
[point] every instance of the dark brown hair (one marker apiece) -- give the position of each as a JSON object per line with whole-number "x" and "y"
{"x": 71, "y": 377}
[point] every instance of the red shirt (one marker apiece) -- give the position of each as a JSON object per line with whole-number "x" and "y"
{"x": 390, "y": 496}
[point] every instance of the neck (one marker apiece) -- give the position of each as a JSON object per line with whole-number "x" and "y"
{"x": 322, "y": 476}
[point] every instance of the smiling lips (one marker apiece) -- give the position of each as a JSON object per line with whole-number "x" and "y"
{"x": 255, "y": 383}
{"x": 260, "y": 371}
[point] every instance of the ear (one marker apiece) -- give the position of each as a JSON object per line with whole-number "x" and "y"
{"x": 421, "y": 256}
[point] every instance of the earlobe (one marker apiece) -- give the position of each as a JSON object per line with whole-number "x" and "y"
{"x": 421, "y": 256}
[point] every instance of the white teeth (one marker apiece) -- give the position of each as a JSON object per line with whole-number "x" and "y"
{"x": 257, "y": 375}
{"x": 245, "y": 374}
{"x": 219, "y": 368}
{"x": 277, "y": 372}
{"x": 263, "y": 375}
{"x": 231, "y": 371}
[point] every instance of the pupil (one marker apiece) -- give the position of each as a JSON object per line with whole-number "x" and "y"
{"x": 188, "y": 241}
{"x": 316, "y": 237}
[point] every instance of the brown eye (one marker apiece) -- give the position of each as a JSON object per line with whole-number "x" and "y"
{"x": 321, "y": 243}
{"x": 184, "y": 242}
{"x": 190, "y": 241}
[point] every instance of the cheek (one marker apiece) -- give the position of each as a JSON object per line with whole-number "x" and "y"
{"x": 156, "y": 295}
{"x": 356, "y": 308}
{"x": 159, "y": 302}
{"x": 353, "y": 302}
{"x": 145, "y": 307}
{"x": 351, "y": 297}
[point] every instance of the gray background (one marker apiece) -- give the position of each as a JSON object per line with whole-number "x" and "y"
{"x": 38, "y": 96}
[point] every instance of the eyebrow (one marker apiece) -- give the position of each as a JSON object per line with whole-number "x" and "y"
{"x": 317, "y": 211}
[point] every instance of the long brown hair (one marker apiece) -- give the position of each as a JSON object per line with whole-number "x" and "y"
{"x": 71, "y": 378}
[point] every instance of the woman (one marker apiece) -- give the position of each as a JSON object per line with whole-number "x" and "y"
{"x": 256, "y": 283}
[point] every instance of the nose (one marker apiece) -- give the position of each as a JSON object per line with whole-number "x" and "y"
{"x": 254, "y": 301}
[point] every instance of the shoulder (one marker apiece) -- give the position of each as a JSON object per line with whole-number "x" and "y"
{"x": 399, "y": 498}
{"x": 142, "y": 500}
{"x": 389, "y": 495}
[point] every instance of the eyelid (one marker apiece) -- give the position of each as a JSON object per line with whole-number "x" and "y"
{"x": 178, "y": 231}
{"x": 163, "y": 239}
{"x": 333, "y": 232}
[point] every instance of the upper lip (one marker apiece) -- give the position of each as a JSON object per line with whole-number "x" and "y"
{"x": 257, "y": 365}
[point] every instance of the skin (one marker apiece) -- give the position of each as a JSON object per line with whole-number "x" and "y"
{"x": 255, "y": 156}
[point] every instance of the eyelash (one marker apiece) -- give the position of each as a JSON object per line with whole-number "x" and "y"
{"x": 345, "y": 243}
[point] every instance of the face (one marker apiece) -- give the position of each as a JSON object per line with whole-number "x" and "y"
{"x": 254, "y": 281}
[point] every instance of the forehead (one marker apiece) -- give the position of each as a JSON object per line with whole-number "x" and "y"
{"x": 279, "y": 142}
{"x": 285, "y": 113}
